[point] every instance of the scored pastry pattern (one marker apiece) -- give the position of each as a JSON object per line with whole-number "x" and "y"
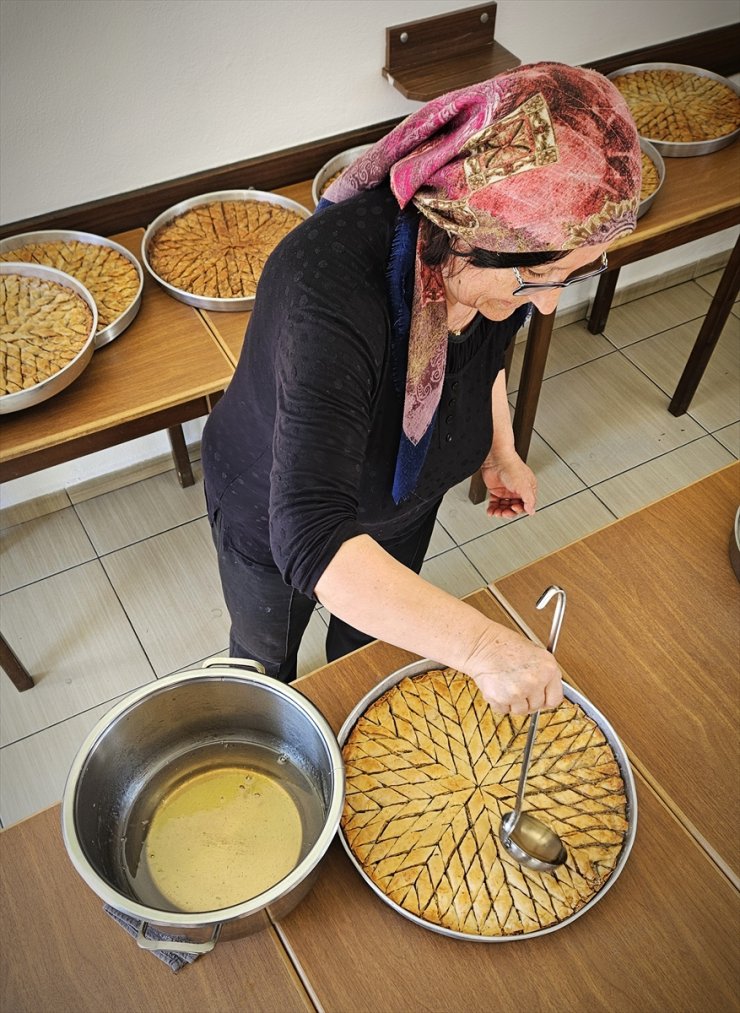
{"x": 111, "y": 279}
{"x": 678, "y": 106}
{"x": 43, "y": 327}
{"x": 219, "y": 249}
{"x": 650, "y": 177}
{"x": 431, "y": 771}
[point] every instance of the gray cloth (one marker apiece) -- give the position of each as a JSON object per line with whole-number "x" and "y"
{"x": 173, "y": 960}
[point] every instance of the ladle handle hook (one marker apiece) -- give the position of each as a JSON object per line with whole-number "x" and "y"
{"x": 557, "y": 622}
{"x": 557, "y": 619}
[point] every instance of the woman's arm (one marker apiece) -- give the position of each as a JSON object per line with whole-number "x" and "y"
{"x": 367, "y": 588}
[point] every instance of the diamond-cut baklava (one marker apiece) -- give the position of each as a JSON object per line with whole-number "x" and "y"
{"x": 43, "y": 327}
{"x": 679, "y": 106}
{"x": 650, "y": 177}
{"x": 110, "y": 278}
{"x": 431, "y": 770}
{"x": 218, "y": 250}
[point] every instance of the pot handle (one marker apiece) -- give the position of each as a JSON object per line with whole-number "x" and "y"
{"x": 176, "y": 945}
{"x": 252, "y": 666}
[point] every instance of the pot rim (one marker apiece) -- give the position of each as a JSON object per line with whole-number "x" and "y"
{"x": 198, "y": 919}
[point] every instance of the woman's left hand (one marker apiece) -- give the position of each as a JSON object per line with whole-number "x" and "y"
{"x": 512, "y": 486}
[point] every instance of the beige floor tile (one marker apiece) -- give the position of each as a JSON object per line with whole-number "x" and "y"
{"x": 654, "y": 313}
{"x": 465, "y": 520}
{"x": 222, "y": 652}
{"x": 75, "y": 640}
{"x": 33, "y": 771}
{"x": 570, "y": 346}
{"x": 312, "y": 652}
{"x": 729, "y": 437}
{"x": 709, "y": 283}
{"x": 606, "y": 417}
{"x": 453, "y": 573}
{"x": 714, "y": 262}
{"x": 529, "y": 538}
{"x": 140, "y": 510}
{"x": 647, "y": 286}
{"x": 716, "y": 403}
{"x": 664, "y": 475}
{"x": 31, "y": 509}
{"x": 99, "y": 485}
{"x": 440, "y": 541}
{"x": 170, "y": 589}
{"x": 38, "y": 548}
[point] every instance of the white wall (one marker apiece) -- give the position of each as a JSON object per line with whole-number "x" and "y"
{"x": 103, "y": 96}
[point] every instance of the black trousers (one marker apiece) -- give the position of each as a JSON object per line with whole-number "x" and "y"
{"x": 269, "y": 618}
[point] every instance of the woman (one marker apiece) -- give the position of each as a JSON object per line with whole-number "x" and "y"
{"x": 371, "y": 379}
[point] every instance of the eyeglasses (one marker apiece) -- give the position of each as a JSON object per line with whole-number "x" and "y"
{"x": 581, "y": 275}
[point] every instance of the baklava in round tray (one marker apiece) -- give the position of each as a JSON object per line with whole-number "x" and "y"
{"x": 682, "y": 110}
{"x": 333, "y": 169}
{"x": 653, "y": 174}
{"x": 209, "y": 251}
{"x": 47, "y": 330}
{"x": 430, "y": 773}
{"x": 108, "y": 271}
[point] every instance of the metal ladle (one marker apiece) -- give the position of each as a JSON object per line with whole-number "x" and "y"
{"x": 526, "y": 838}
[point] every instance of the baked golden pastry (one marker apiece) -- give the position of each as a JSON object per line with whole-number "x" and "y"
{"x": 431, "y": 771}
{"x": 679, "y": 106}
{"x": 332, "y": 179}
{"x": 650, "y": 177}
{"x": 43, "y": 327}
{"x": 219, "y": 249}
{"x": 110, "y": 278}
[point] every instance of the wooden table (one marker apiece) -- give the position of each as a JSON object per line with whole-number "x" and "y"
{"x": 699, "y": 196}
{"x": 157, "y": 374}
{"x": 62, "y": 954}
{"x": 229, "y": 328}
{"x": 652, "y": 637}
{"x": 665, "y": 937}
{"x": 163, "y": 370}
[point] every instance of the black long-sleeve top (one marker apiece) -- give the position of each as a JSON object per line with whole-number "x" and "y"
{"x": 299, "y": 454}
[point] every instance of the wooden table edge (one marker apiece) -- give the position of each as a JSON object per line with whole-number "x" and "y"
{"x": 197, "y": 393}
{"x": 214, "y": 332}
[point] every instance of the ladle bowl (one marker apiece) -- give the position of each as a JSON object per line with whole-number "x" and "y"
{"x": 527, "y": 839}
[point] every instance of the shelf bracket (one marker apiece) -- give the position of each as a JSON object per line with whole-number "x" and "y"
{"x": 427, "y": 58}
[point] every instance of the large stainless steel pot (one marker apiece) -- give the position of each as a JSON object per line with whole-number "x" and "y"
{"x": 140, "y": 747}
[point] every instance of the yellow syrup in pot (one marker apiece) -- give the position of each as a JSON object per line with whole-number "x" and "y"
{"x": 218, "y": 837}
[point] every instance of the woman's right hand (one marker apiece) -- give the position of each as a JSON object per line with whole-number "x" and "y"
{"x": 514, "y": 675}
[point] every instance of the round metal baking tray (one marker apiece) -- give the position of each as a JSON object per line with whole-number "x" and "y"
{"x": 62, "y": 378}
{"x": 684, "y": 149}
{"x": 200, "y": 301}
{"x": 655, "y": 157}
{"x": 419, "y": 668}
{"x": 115, "y": 327}
{"x": 333, "y": 166}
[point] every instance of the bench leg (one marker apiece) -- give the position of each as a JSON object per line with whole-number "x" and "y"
{"x": 10, "y": 663}
{"x": 603, "y": 301}
{"x": 477, "y": 491}
{"x": 533, "y": 368}
{"x": 708, "y": 336}
{"x": 180, "y": 456}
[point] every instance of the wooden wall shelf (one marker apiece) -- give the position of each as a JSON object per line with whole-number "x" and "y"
{"x": 427, "y": 58}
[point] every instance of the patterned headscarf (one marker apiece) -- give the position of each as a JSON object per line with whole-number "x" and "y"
{"x": 545, "y": 157}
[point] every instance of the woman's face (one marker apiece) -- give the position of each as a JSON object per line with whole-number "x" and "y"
{"x": 489, "y": 290}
